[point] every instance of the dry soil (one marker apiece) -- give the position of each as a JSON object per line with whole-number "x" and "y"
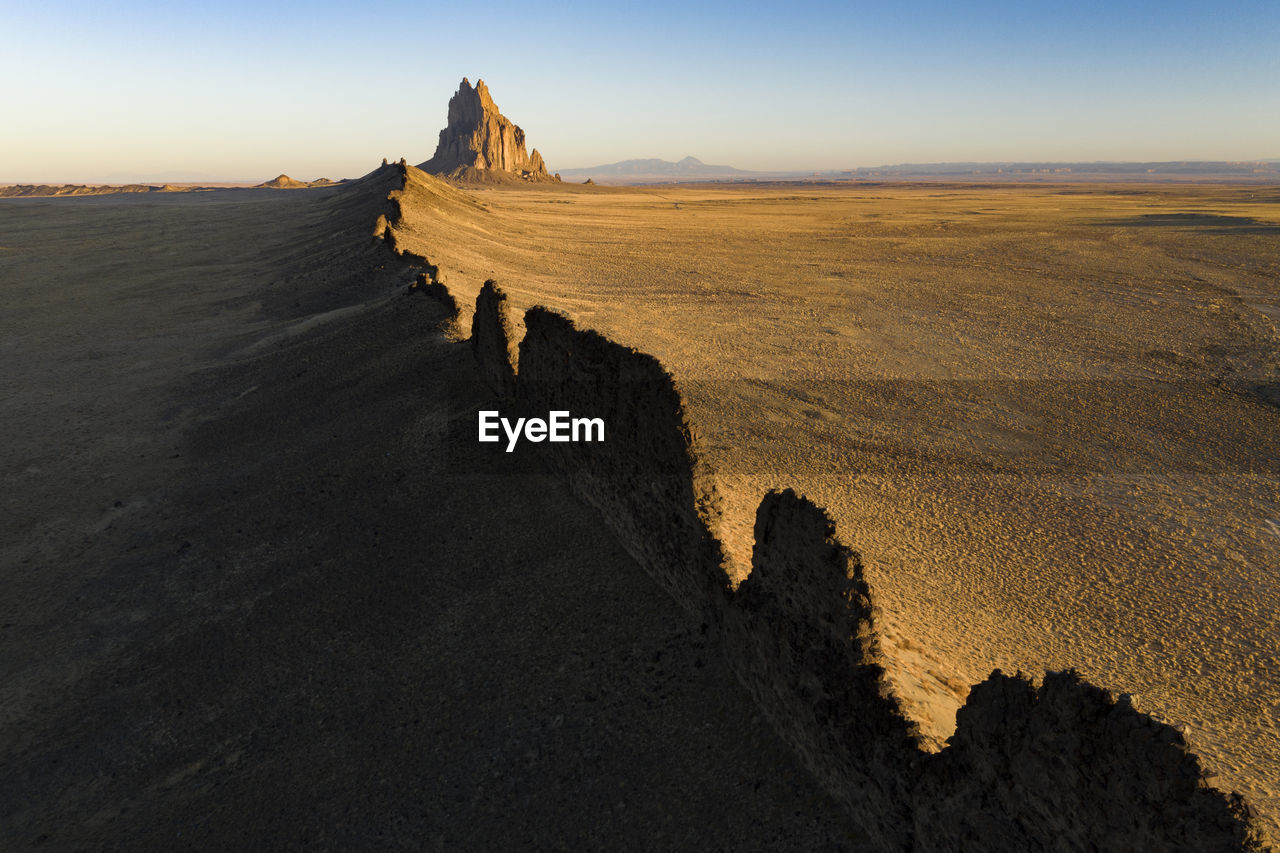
{"x": 1045, "y": 415}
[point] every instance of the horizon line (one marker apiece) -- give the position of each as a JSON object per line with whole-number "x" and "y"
{"x": 118, "y": 180}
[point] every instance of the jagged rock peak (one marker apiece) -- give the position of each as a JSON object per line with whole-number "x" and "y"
{"x": 480, "y": 138}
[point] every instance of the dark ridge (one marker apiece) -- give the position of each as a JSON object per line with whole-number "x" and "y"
{"x": 1059, "y": 765}
{"x": 492, "y": 338}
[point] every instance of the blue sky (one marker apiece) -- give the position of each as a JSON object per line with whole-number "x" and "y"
{"x": 237, "y": 90}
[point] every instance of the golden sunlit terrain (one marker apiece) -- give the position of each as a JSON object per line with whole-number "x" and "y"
{"x": 1045, "y": 415}
{"x": 245, "y": 512}
{"x": 774, "y": 427}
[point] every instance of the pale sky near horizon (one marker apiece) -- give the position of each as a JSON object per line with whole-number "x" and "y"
{"x": 247, "y": 90}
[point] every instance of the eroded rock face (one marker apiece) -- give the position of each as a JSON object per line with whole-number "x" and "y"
{"x": 492, "y": 338}
{"x": 800, "y": 635}
{"x": 480, "y": 138}
{"x": 1059, "y": 765}
{"x": 646, "y": 479}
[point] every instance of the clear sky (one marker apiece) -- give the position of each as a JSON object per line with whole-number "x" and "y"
{"x": 123, "y": 91}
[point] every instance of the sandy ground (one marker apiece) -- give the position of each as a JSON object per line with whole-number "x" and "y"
{"x": 258, "y": 590}
{"x": 1041, "y": 413}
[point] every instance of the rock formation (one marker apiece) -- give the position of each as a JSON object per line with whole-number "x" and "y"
{"x": 492, "y": 338}
{"x": 284, "y": 182}
{"x": 481, "y": 143}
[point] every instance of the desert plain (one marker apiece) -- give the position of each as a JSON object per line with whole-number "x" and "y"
{"x": 1047, "y": 416}
{"x": 238, "y": 524}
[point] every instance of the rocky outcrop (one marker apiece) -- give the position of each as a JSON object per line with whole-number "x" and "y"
{"x": 427, "y": 285}
{"x": 284, "y": 182}
{"x": 800, "y": 634}
{"x": 480, "y": 139}
{"x": 492, "y": 338}
{"x": 646, "y": 479}
{"x": 1062, "y": 765}
{"x": 1066, "y": 765}
{"x": 399, "y": 180}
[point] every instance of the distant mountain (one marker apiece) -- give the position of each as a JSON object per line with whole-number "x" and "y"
{"x": 693, "y": 170}
{"x": 690, "y": 168}
{"x": 1260, "y": 170}
{"x": 49, "y": 190}
{"x": 284, "y": 182}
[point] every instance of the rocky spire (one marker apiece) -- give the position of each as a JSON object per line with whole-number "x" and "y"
{"x": 481, "y": 138}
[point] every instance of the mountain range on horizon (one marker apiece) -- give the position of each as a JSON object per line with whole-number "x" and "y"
{"x": 692, "y": 169}
{"x": 688, "y": 167}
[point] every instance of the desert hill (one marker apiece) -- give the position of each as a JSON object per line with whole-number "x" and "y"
{"x": 426, "y": 194}
{"x": 284, "y": 182}
{"x": 481, "y": 145}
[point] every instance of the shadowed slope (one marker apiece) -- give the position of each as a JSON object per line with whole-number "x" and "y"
{"x": 258, "y": 593}
{"x": 1037, "y": 423}
{"x": 1066, "y": 766}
